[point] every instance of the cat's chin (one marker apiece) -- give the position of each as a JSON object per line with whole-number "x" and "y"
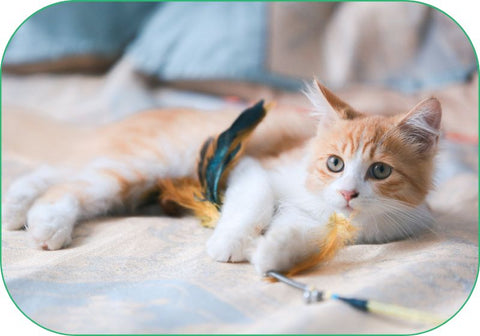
{"x": 347, "y": 211}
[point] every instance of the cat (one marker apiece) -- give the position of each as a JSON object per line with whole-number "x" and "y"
{"x": 279, "y": 196}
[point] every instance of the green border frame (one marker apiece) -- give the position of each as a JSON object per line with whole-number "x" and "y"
{"x": 385, "y": 1}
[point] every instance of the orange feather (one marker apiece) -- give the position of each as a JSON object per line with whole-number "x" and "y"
{"x": 187, "y": 193}
{"x": 340, "y": 233}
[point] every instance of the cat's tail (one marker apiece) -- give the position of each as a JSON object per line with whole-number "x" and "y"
{"x": 204, "y": 194}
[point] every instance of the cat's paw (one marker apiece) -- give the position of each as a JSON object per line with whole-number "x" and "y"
{"x": 50, "y": 225}
{"x": 17, "y": 203}
{"x": 14, "y": 215}
{"x": 268, "y": 257}
{"x": 21, "y": 195}
{"x": 226, "y": 247}
{"x": 279, "y": 250}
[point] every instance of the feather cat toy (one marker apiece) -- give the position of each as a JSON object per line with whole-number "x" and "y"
{"x": 218, "y": 156}
{"x": 216, "y": 159}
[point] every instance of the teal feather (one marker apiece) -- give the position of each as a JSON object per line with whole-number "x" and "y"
{"x": 218, "y": 155}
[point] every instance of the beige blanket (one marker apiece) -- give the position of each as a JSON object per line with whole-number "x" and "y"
{"x": 152, "y": 274}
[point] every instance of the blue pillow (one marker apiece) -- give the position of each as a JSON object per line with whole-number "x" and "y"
{"x": 75, "y": 28}
{"x": 214, "y": 40}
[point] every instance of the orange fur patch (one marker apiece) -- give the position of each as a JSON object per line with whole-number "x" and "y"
{"x": 59, "y": 191}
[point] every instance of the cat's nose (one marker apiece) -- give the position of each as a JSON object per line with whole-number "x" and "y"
{"x": 349, "y": 194}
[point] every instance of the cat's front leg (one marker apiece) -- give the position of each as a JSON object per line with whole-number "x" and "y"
{"x": 292, "y": 237}
{"x": 247, "y": 210}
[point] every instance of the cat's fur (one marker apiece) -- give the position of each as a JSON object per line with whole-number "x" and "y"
{"x": 278, "y": 198}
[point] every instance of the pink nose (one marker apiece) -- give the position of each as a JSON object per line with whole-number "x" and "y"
{"x": 349, "y": 194}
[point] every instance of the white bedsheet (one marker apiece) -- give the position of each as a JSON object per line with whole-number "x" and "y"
{"x": 152, "y": 274}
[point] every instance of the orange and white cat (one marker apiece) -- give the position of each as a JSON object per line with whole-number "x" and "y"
{"x": 278, "y": 197}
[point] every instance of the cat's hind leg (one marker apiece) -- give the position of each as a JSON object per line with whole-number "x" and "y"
{"x": 247, "y": 210}
{"x": 104, "y": 186}
{"x": 23, "y": 192}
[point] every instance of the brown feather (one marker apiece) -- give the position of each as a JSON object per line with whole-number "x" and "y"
{"x": 187, "y": 192}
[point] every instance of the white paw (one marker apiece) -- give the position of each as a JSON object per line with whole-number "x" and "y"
{"x": 225, "y": 247}
{"x": 51, "y": 224}
{"x": 279, "y": 250}
{"x": 14, "y": 210}
{"x": 21, "y": 195}
{"x": 268, "y": 257}
{"x": 14, "y": 215}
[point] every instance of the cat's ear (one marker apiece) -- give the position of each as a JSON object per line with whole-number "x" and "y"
{"x": 421, "y": 125}
{"x": 327, "y": 106}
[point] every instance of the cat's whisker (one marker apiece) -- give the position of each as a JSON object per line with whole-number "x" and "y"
{"x": 397, "y": 225}
{"x": 401, "y": 218}
{"x": 420, "y": 217}
{"x": 377, "y": 228}
{"x": 421, "y": 220}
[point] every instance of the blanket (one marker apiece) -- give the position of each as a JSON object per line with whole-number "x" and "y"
{"x": 147, "y": 274}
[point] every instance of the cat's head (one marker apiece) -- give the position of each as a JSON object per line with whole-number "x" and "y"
{"x": 378, "y": 167}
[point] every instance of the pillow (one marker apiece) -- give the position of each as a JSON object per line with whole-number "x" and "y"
{"x": 75, "y": 34}
{"x": 213, "y": 40}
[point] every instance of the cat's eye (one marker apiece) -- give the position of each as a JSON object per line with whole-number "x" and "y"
{"x": 380, "y": 170}
{"x": 335, "y": 164}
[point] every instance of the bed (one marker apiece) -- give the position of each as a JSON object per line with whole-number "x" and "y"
{"x": 150, "y": 274}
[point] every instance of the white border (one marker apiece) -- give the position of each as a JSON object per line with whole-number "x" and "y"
{"x": 13, "y": 13}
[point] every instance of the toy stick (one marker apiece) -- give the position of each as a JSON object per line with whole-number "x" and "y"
{"x": 311, "y": 295}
